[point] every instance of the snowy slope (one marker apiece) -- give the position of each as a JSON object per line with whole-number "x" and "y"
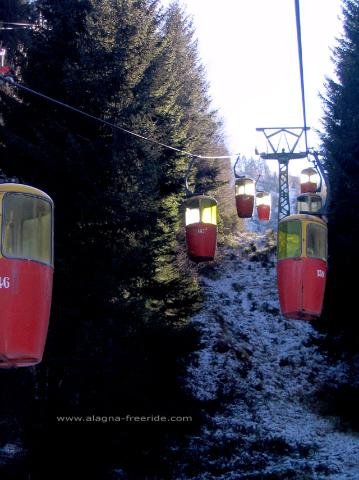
{"x": 256, "y": 374}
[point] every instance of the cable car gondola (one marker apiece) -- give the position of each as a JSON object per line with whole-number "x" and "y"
{"x": 309, "y": 180}
{"x": 245, "y": 193}
{"x": 263, "y": 205}
{"x": 201, "y": 223}
{"x": 302, "y": 265}
{"x": 26, "y": 271}
{"x": 201, "y": 227}
{"x": 302, "y": 238}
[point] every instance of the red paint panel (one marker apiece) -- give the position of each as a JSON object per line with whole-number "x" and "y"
{"x": 244, "y": 204}
{"x": 314, "y": 278}
{"x": 25, "y": 301}
{"x": 5, "y": 70}
{"x": 308, "y": 187}
{"x": 301, "y": 287}
{"x": 263, "y": 212}
{"x": 289, "y": 278}
{"x": 201, "y": 241}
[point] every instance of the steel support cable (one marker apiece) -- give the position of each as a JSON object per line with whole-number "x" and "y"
{"x": 14, "y": 28}
{"x": 18, "y": 24}
{"x": 12, "y": 82}
{"x": 300, "y": 56}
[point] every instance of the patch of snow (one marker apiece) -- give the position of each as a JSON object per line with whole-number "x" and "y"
{"x": 261, "y": 371}
{"x": 11, "y": 450}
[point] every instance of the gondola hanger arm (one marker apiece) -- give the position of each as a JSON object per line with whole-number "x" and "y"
{"x": 190, "y": 165}
{"x": 235, "y": 166}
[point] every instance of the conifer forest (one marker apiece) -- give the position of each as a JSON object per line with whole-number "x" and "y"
{"x": 155, "y": 366}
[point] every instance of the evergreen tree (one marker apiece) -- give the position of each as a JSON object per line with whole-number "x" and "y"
{"x": 123, "y": 287}
{"x": 183, "y": 118}
{"x": 13, "y": 38}
{"x": 341, "y": 149}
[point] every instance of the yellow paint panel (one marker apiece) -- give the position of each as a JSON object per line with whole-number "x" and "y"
{"x": 289, "y": 239}
{"x": 19, "y": 188}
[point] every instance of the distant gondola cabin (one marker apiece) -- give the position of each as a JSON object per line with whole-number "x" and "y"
{"x": 302, "y": 265}
{"x": 201, "y": 227}
{"x": 309, "y": 202}
{"x": 309, "y": 180}
{"x": 245, "y": 194}
{"x": 263, "y": 205}
{"x": 26, "y": 271}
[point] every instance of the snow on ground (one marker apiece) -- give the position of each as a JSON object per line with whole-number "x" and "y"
{"x": 256, "y": 374}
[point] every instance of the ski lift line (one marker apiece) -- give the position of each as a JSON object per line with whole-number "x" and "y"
{"x": 279, "y": 141}
{"x": 12, "y": 82}
{"x": 300, "y": 56}
{"x": 286, "y": 139}
{"x": 18, "y": 24}
{"x": 14, "y": 28}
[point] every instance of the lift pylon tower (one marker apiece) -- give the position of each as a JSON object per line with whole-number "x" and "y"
{"x": 283, "y": 157}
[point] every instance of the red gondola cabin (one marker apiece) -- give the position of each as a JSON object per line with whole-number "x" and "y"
{"x": 201, "y": 227}
{"x": 302, "y": 266}
{"x": 263, "y": 204}
{"x": 26, "y": 271}
{"x": 245, "y": 192}
{"x": 309, "y": 179}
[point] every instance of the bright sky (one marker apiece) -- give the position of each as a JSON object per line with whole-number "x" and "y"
{"x": 249, "y": 48}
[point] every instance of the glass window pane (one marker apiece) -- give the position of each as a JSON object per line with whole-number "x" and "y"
{"x": 206, "y": 215}
{"x": 304, "y": 178}
{"x": 289, "y": 239}
{"x": 244, "y": 186}
{"x": 308, "y": 203}
{"x": 239, "y": 189}
{"x": 209, "y": 214}
{"x": 303, "y": 203}
{"x": 207, "y": 202}
{"x": 249, "y": 188}
{"x": 316, "y": 241}
{"x": 309, "y": 175}
{"x": 27, "y": 227}
{"x": 316, "y": 204}
{"x": 214, "y": 215}
{"x": 302, "y": 207}
{"x": 192, "y": 215}
{"x": 192, "y": 202}
{"x": 263, "y": 199}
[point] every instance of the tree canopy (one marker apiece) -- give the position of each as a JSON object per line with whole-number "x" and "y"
{"x": 124, "y": 288}
{"x": 341, "y": 149}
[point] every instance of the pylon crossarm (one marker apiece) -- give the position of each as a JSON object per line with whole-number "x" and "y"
{"x": 283, "y": 157}
{"x": 271, "y": 132}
